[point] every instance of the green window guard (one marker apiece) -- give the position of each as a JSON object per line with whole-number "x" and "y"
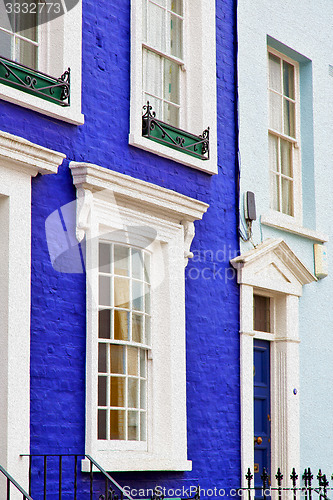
{"x": 33, "y": 82}
{"x": 173, "y": 137}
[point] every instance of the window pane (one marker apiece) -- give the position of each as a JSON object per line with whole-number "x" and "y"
{"x": 286, "y": 157}
{"x": 101, "y": 424}
{"x": 104, "y": 323}
{"x": 6, "y": 20}
{"x": 274, "y": 73}
{"x": 152, "y": 73}
{"x": 137, "y": 328}
{"x": 147, "y": 267}
{"x": 137, "y": 295}
{"x": 121, "y": 325}
{"x": 171, "y": 81}
{"x": 121, "y": 292}
{"x": 133, "y": 425}
{"x": 156, "y": 27}
{"x": 27, "y": 19}
{"x": 275, "y": 189}
{"x": 6, "y": 44}
{"x": 30, "y": 33}
{"x": 137, "y": 264}
{"x": 143, "y": 427}
{"x": 143, "y": 396}
{"x": 261, "y": 313}
{"x": 132, "y": 360}
{"x": 117, "y": 424}
{"x": 142, "y": 363}
{"x": 117, "y": 359}
{"x": 26, "y": 53}
{"x": 104, "y": 291}
{"x": 176, "y": 36}
{"x": 147, "y": 330}
{"x": 104, "y": 258}
{"x": 171, "y": 114}
{"x": 102, "y": 381}
{"x": 147, "y": 299}
{"x": 121, "y": 260}
{"x": 287, "y": 197}
{"x": 133, "y": 393}
{"x": 275, "y": 111}
{"x": 117, "y": 391}
{"x": 273, "y": 153}
{"x": 102, "y": 368}
{"x": 176, "y": 6}
{"x": 288, "y": 80}
{"x": 289, "y": 117}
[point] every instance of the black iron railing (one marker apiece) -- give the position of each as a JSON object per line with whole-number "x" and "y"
{"x": 62, "y": 474}
{"x": 173, "y": 137}
{"x": 56, "y": 90}
{"x": 11, "y": 482}
{"x": 306, "y": 485}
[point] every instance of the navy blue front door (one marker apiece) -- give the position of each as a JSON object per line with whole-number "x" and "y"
{"x": 262, "y": 425}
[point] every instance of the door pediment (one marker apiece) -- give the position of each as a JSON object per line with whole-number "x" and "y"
{"x": 274, "y": 273}
{"x": 272, "y": 265}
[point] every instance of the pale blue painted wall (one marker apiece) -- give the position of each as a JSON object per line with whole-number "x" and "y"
{"x": 303, "y": 31}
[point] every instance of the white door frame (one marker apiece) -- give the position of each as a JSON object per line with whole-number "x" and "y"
{"x": 272, "y": 269}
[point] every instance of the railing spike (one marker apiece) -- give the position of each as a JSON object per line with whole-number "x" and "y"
{"x": 319, "y": 476}
{"x": 279, "y": 477}
{"x": 264, "y": 478}
{"x": 249, "y": 476}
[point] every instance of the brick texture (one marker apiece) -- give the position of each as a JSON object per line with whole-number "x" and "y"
{"x": 212, "y": 301}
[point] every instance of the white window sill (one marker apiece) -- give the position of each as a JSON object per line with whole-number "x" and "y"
{"x": 117, "y": 462}
{"x": 208, "y": 166}
{"x": 277, "y": 220}
{"x": 71, "y": 114}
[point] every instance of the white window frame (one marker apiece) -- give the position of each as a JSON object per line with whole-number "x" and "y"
{"x": 20, "y": 160}
{"x": 278, "y": 216}
{"x": 198, "y": 82}
{"x": 273, "y": 270}
{"x": 60, "y": 48}
{"x": 109, "y": 201}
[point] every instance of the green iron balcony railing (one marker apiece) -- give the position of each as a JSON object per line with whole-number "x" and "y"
{"x": 34, "y": 82}
{"x": 173, "y": 137}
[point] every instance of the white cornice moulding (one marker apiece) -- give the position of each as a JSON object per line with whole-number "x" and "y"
{"x": 18, "y": 153}
{"x": 138, "y": 194}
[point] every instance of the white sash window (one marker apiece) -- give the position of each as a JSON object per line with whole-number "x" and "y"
{"x": 163, "y": 58}
{"x": 124, "y": 339}
{"x": 283, "y": 134}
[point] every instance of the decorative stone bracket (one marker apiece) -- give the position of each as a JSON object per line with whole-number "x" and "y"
{"x": 189, "y": 233}
{"x": 84, "y": 200}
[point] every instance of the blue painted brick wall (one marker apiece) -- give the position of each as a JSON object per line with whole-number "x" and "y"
{"x": 212, "y": 301}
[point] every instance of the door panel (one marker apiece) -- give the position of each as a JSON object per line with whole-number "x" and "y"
{"x": 262, "y": 427}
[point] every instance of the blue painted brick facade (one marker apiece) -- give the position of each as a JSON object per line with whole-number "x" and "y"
{"x": 212, "y": 301}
